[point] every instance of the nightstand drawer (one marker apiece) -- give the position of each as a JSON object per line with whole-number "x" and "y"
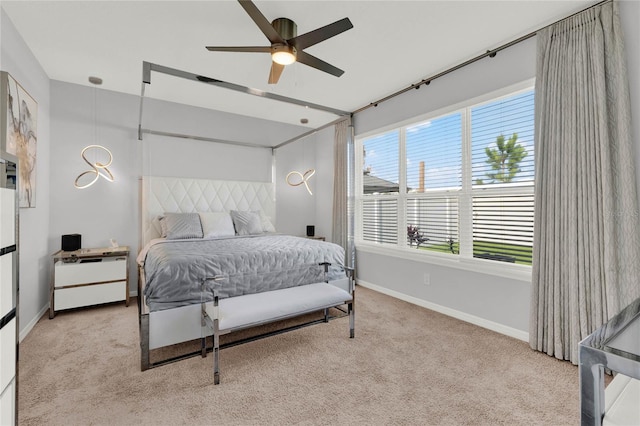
{"x": 68, "y": 274}
{"x": 87, "y": 295}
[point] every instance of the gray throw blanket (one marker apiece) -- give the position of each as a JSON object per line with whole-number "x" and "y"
{"x": 174, "y": 269}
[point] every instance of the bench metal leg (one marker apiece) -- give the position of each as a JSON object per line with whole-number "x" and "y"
{"x": 352, "y": 331}
{"x": 351, "y": 305}
{"x": 216, "y": 361}
{"x": 352, "y": 315}
{"x": 326, "y": 315}
{"x": 203, "y": 323}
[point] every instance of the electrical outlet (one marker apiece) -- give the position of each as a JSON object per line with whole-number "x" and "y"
{"x": 427, "y": 279}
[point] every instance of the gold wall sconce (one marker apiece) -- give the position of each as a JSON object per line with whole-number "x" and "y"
{"x": 304, "y": 178}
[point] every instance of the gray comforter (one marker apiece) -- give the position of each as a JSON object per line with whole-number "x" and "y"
{"x": 175, "y": 269}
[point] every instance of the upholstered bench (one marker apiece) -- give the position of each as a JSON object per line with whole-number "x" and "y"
{"x": 241, "y": 312}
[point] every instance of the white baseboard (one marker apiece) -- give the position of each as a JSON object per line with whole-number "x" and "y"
{"x": 32, "y": 323}
{"x": 481, "y": 322}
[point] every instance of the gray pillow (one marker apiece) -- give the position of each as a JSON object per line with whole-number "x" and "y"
{"x": 163, "y": 226}
{"x": 182, "y": 225}
{"x": 246, "y": 223}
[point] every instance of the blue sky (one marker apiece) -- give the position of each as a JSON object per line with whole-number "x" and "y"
{"x": 437, "y": 142}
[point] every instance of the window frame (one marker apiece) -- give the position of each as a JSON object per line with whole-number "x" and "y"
{"x": 464, "y": 260}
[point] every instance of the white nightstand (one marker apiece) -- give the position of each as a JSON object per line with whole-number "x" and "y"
{"x": 88, "y": 277}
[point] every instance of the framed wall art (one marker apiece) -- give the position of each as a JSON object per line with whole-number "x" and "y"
{"x": 18, "y": 130}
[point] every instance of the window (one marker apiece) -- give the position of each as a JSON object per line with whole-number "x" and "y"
{"x": 380, "y": 156}
{"x": 435, "y": 147}
{"x": 459, "y": 184}
{"x": 380, "y": 176}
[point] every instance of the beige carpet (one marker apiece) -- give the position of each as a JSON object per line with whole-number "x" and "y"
{"x": 407, "y": 365}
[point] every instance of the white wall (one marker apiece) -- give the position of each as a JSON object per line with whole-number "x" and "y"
{"x": 17, "y": 59}
{"x": 296, "y": 208}
{"x": 105, "y": 210}
{"x": 324, "y": 182}
{"x": 497, "y": 302}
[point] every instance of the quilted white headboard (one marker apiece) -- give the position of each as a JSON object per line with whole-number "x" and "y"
{"x": 184, "y": 195}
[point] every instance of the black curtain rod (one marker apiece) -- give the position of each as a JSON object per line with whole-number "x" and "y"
{"x": 491, "y": 53}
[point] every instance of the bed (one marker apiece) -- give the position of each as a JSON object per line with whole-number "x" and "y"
{"x": 210, "y": 247}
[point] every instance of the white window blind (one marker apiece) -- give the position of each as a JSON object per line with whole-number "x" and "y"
{"x": 432, "y": 223}
{"x": 503, "y": 228}
{"x": 379, "y": 221}
{"x": 460, "y": 184}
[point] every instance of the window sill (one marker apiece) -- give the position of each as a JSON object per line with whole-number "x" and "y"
{"x": 489, "y": 267}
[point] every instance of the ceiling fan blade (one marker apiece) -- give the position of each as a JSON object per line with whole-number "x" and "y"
{"x": 316, "y": 36}
{"x": 276, "y": 71}
{"x": 262, "y": 22}
{"x": 312, "y": 61}
{"x": 239, "y": 49}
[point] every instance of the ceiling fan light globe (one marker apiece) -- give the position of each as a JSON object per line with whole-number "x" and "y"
{"x": 283, "y": 55}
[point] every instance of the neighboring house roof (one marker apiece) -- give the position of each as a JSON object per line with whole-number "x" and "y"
{"x": 373, "y": 184}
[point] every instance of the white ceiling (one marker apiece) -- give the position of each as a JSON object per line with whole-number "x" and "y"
{"x": 392, "y": 45}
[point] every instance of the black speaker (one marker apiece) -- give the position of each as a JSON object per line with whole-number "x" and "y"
{"x": 71, "y": 242}
{"x": 311, "y": 230}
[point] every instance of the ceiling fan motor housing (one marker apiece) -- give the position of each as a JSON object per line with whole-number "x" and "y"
{"x": 284, "y": 54}
{"x": 285, "y": 27}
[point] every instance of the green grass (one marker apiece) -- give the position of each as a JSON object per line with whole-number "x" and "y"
{"x": 522, "y": 254}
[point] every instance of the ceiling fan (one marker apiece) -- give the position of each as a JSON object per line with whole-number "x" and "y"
{"x": 286, "y": 46}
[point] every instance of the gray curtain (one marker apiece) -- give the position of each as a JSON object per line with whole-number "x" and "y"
{"x": 586, "y": 263}
{"x": 340, "y": 231}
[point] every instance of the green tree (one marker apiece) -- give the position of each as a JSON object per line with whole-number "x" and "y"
{"x": 505, "y": 159}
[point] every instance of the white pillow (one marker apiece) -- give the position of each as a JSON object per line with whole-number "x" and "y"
{"x": 246, "y": 223}
{"x": 267, "y": 226}
{"x": 216, "y": 224}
